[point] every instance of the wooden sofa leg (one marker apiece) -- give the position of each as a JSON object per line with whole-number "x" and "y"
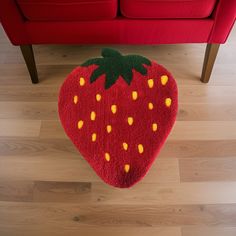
{"x": 209, "y": 60}
{"x": 28, "y": 55}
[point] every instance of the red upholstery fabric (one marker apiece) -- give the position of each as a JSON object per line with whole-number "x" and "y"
{"x": 68, "y": 10}
{"x": 167, "y": 9}
{"x": 224, "y": 19}
{"x": 120, "y": 31}
{"x": 214, "y": 29}
{"x": 13, "y": 22}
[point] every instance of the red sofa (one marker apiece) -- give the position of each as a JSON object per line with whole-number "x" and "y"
{"x": 28, "y": 22}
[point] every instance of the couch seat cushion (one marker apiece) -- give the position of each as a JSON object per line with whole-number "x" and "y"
{"x": 68, "y": 10}
{"x": 167, "y": 8}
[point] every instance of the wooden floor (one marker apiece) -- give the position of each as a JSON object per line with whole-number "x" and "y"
{"x": 46, "y": 188}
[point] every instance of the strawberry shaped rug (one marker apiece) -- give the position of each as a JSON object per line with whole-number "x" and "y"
{"x": 118, "y": 111}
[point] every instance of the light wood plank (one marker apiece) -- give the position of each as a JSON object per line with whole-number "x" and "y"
{"x": 204, "y": 130}
{"x": 203, "y": 93}
{"x": 199, "y": 148}
{"x": 31, "y": 147}
{"x": 28, "y": 110}
{"x": 167, "y": 194}
{"x": 37, "y": 230}
{"x": 48, "y": 74}
{"x": 73, "y": 169}
{"x": 207, "y": 112}
{"x": 45, "y": 191}
{"x": 101, "y": 194}
{"x": 34, "y": 93}
{"x": 208, "y": 231}
{"x": 66, "y": 216}
{"x": 19, "y": 128}
{"x": 208, "y": 169}
{"x": 17, "y": 191}
{"x": 160, "y": 194}
{"x": 52, "y": 129}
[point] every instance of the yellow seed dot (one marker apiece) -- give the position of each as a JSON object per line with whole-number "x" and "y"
{"x": 150, "y": 83}
{"x": 98, "y": 97}
{"x": 80, "y": 124}
{"x": 130, "y": 120}
{"x": 81, "y": 81}
{"x": 140, "y": 148}
{"x": 150, "y": 106}
{"x": 114, "y": 109}
{"x": 94, "y": 137}
{"x": 107, "y": 156}
{"x": 154, "y": 127}
{"x": 75, "y": 99}
{"x": 109, "y": 128}
{"x": 168, "y": 102}
{"x": 125, "y": 146}
{"x": 93, "y": 115}
{"x": 134, "y": 95}
{"x": 127, "y": 168}
{"x": 164, "y": 79}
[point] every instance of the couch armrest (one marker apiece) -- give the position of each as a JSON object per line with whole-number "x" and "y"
{"x": 13, "y": 22}
{"x": 224, "y": 18}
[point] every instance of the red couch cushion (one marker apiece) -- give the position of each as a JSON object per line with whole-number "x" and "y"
{"x": 68, "y": 10}
{"x": 167, "y": 8}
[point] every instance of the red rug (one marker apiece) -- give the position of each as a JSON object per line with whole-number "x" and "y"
{"x": 118, "y": 111}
